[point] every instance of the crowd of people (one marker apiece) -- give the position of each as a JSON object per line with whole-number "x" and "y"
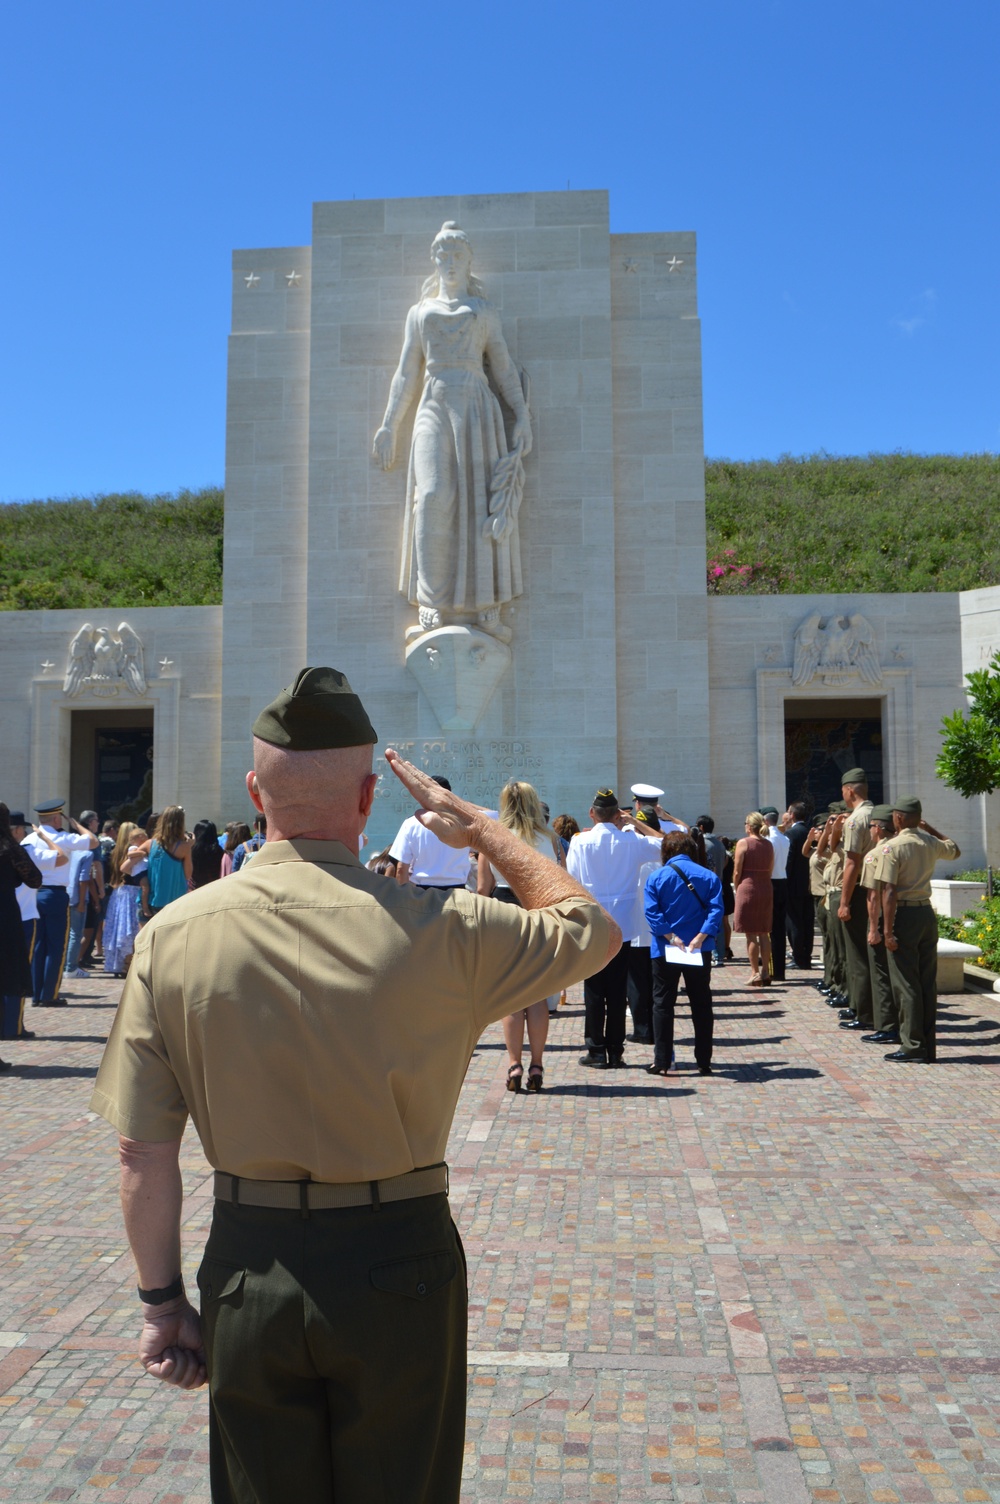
{"x": 855, "y": 870}
{"x": 74, "y": 894}
{"x": 313, "y": 1015}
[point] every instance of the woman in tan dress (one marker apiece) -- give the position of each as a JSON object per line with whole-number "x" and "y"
{"x": 753, "y": 860}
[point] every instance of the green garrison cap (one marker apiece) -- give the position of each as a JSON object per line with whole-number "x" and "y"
{"x": 909, "y": 805}
{"x": 838, "y": 807}
{"x": 882, "y": 813}
{"x": 854, "y": 775}
{"x": 769, "y": 809}
{"x": 605, "y": 799}
{"x": 318, "y": 711}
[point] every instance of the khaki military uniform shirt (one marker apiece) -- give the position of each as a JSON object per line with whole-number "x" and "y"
{"x": 868, "y": 876}
{"x": 316, "y": 1020}
{"x": 817, "y": 875}
{"x": 857, "y": 838}
{"x": 834, "y": 873}
{"x": 908, "y": 860}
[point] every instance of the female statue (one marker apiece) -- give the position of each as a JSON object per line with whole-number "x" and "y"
{"x": 461, "y": 556}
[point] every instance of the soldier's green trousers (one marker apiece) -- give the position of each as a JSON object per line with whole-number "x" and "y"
{"x": 336, "y": 1348}
{"x": 913, "y": 970}
{"x": 859, "y": 977}
{"x": 835, "y": 935}
{"x": 886, "y": 1010}
{"x": 821, "y": 921}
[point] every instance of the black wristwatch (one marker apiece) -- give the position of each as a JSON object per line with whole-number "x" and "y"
{"x": 161, "y": 1296}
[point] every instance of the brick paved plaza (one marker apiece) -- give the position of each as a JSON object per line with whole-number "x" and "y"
{"x": 777, "y": 1284}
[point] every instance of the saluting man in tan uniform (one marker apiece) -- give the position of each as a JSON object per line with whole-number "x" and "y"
{"x": 910, "y": 925}
{"x": 853, "y": 909}
{"x": 315, "y": 1021}
{"x": 886, "y": 1009}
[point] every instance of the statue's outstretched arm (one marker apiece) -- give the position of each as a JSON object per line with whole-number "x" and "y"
{"x": 401, "y": 393}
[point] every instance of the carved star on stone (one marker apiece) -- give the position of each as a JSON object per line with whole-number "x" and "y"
{"x": 771, "y": 653}
{"x": 47, "y": 665}
{"x": 166, "y": 663}
{"x": 251, "y": 279}
{"x": 674, "y": 264}
{"x": 293, "y": 278}
{"x": 631, "y": 264}
{"x": 898, "y": 651}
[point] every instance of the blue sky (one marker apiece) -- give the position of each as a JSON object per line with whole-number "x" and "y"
{"x": 839, "y": 164}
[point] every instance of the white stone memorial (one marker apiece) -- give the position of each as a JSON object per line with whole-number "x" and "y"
{"x": 464, "y": 464}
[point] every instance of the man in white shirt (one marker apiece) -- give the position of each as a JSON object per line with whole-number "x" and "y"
{"x": 779, "y": 888}
{"x": 45, "y": 857}
{"x": 606, "y": 861}
{"x": 53, "y": 901}
{"x": 425, "y": 861}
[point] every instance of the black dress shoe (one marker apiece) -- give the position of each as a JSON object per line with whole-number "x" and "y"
{"x": 705, "y": 1070}
{"x": 901, "y": 1058}
{"x": 836, "y": 1000}
{"x": 641, "y": 1038}
{"x": 57, "y": 1002}
{"x": 847, "y": 1013}
{"x": 26, "y": 1034}
{"x": 881, "y": 1036}
{"x": 596, "y": 1059}
{"x": 615, "y": 1062}
{"x": 854, "y": 1023}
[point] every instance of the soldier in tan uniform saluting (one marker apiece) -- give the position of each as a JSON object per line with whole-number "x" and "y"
{"x": 853, "y": 908}
{"x": 910, "y": 925}
{"x": 886, "y": 1009}
{"x": 315, "y": 1021}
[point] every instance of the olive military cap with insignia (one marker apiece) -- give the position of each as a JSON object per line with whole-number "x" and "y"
{"x": 605, "y": 799}
{"x": 769, "y": 809}
{"x": 909, "y": 805}
{"x": 50, "y": 807}
{"x": 882, "y": 813}
{"x": 319, "y": 711}
{"x": 854, "y": 775}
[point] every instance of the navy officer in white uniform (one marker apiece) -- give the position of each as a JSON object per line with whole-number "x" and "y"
{"x": 52, "y": 932}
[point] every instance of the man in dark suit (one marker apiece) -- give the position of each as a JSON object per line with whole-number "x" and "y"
{"x": 799, "y": 919}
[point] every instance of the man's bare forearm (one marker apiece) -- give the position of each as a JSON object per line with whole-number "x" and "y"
{"x": 536, "y": 881}
{"x": 151, "y": 1194}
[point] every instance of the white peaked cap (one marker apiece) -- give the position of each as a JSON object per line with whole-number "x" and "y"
{"x": 646, "y": 791}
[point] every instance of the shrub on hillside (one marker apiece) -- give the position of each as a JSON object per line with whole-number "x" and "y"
{"x": 885, "y": 522}
{"x": 122, "y": 550}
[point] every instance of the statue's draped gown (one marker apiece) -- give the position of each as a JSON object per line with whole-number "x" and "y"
{"x": 458, "y": 437}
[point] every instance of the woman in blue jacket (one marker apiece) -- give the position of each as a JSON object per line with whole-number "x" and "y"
{"x": 684, "y": 910}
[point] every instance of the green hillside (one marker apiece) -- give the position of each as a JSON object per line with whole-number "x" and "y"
{"x": 881, "y": 522}
{"x": 120, "y": 550}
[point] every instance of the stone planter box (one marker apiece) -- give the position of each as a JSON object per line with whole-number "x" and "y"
{"x": 955, "y": 899}
{"x": 952, "y": 956}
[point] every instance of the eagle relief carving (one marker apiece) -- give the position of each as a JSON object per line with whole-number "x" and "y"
{"x": 104, "y": 662}
{"x": 835, "y": 648}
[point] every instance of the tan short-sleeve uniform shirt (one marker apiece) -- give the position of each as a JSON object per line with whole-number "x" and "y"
{"x": 857, "y": 839}
{"x": 316, "y": 1020}
{"x": 908, "y": 860}
{"x": 817, "y": 875}
{"x": 833, "y": 876}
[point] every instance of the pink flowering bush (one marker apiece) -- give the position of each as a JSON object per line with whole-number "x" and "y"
{"x": 725, "y": 576}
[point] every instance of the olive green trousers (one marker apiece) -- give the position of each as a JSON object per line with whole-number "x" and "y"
{"x": 835, "y": 938}
{"x": 913, "y": 970}
{"x": 336, "y": 1347}
{"x": 859, "y": 977}
{"x": 886, "y": 1009}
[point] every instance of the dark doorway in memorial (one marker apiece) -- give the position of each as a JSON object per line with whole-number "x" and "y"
{"x": 111, "y": 762}
{"x": 823, "y": 739}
